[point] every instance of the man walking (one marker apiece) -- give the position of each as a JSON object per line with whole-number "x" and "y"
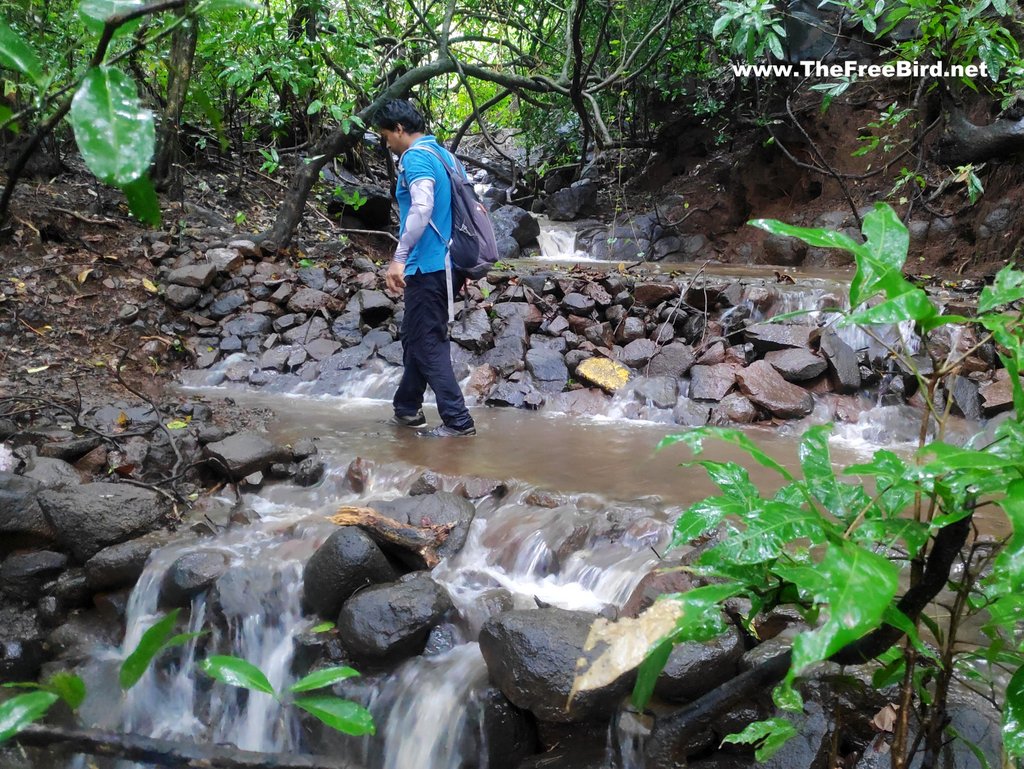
{"x": 421, "y": 268}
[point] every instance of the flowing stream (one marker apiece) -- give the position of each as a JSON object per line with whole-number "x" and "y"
{"x": 587, "y": 511}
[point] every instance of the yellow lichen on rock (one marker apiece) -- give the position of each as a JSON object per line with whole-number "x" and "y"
{"x": 607, "y": 374}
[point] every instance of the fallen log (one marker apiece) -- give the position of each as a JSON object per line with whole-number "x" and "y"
{"x": 151, "y": 750}
{"x": 420, "y": 541}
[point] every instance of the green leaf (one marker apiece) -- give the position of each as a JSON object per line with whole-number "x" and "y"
{"x": 220, "y": 5}
{"x": 142, "y": 200}
{"x": 343, "y": 715}
{"x": 236, "y": 672}
{"x": 16, "y": 54}
{"x": 23, "y": 710}
{"x": 1007, "y": 287}
{"x": 695, "y": 439}
{"x": 95, "y": 13}
{"x": 323, "y": 627}
{"x": 648, "y": 672}
{"x": 840, "y": 499}
{"x": 115, "y": 134}
{"x": 322, "y": 678}
{"x": 769, "y": 735}
{"x": 856, "y": 586}
{"x": 883, "y": 254}
{"x": 812, "y": 236}
{"x": 889, "y": 532}
{"x": 1013, "y": 715}
{"x": 769, "y": 530}
{"x": 913, "y": 304}
{"x": 1008, "y": 569}
{"x": 152, "y": 641}
{"x": 68, "y": 687}
{"x": 732, "y": 479}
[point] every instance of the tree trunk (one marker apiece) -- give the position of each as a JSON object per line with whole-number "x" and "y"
{"x": 167, "y": 752}
{"x": 167, "y": 170}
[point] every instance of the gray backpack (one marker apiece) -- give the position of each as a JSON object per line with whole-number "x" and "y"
{"x": 473, "y": 247}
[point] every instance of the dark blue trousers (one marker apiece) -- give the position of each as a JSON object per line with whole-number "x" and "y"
{"x": 426, "y": 352}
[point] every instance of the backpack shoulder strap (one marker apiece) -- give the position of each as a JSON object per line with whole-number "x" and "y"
{"x": 446, "y": 168}
{"x": 440, "y": 156}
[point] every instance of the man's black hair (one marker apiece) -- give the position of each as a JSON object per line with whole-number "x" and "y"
{"x": 395, "y": 112}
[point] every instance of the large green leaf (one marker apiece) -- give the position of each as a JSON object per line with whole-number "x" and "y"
{"x": 322, "y": 678}
{"x": 912, "y": 304}
{"x": 880, "y": 261}
{"x": 812, "y": 236}
{"x": 839, "y": 499}
{"x": 344, "y": 715}
{"x": 1013, "y": 715}
{"x": 1007, "y": 287}
{"x": 152, "y": 641}
{"x": 236, "y": 672}
{"x": 16, "y": 54}
{"x": 695, "y": 440}
{"x": 23, "y": 710}
{"x": 769, "y": 735}
{"x": 856, "y": 586}
{"x": 115, "y": 133}
{"x": 703, "y": 516}
{"x": 95, "y": 13}
{"x": 648, "y": 672}
{"x": 142, "y": 200}
{"x": 1008, "y": 569}
{"x": 769, "y": 530}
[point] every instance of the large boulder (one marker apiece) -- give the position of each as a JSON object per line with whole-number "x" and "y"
{"x": 121, "y": 565}
{"x": 695, "y": 668}
{"x": 776, "y": 336}
{"x": 572, "y": 201}
{"x": 348, "y": 561}
{"x": 548, "y": 369}
{"x": 244, "y": 453}
{"x": 517, "y": 223}
{"x": 22, "y": 522}
{"x": 531, "y": 656}
{"x": 672, "y": 360}
{"x": 764, "y": 386}
{"x": 796, "y": 364}
{"x": 22, "y": 575}
{"x": 712, "y": 383}
{"x": 390, "y": 622}
{"x": 190, "y": 575}
{"x": 85, "y": 519}
{"x": 844, "y": 368}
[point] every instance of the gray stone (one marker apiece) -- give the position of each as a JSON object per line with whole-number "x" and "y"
{"x": 672, "y": 360}
{"x": 473, "y": 330}
{"x": 966, "y": 401}
{"x": 392, "y": 621}
{"x": 309, "y": 300}
{"x": 248, "y": 325}
{"x": 88, "y": 518}
{"x": 776, "y": 336}
{"x": 313, "y": 277}
{"x": 763, "y": 385}
{"x": 638, "y": 353}
{"x": 531, "y": 656}
{"x": 190, "y": 575}
{"x": 346, "y": 562}
{"x": 548, "y": 368}
{"x": 193, "y": 276}
{"x": 689, "y": 413}
{"x": 224, "y": 259}
{"x": 374, "y": 306}
{"x": 22, "y": 575}
{"x": 243, "y": 453}
{"x": 182, "y": 297}
{"x": 694, "y": 668}
{"x": 661, "y": 391}
{"x": 227, "y": 303}
{"x": 441, "y": 508}
{"x": 22, "y": 646}
{"x": 21, "y": 519}
{"x": 516, "y": 223}
{"x": 796, "y": 364}
{"x": 568, "y": 203}
{"x": 51, "y": 473}
{"x": 844, "y": 370}
{"x": 653, "y": 294}
{"x": 630, "y": 330}
{"x": 734, "y": 408}
{"x": 578, "y": 304}
{"x": 392, "y": 353}
{"x": 711, "y": 383}
{"x": 121, "y": 565}
{"x": 784, "y": 251}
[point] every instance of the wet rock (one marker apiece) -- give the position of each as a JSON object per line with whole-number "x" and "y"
{"x": 548, "y": 368}
{"x": 763, "y": 385}
{"x": 309, "y": 300}
{"x": 51, "y": 473}
{"x": 653, "y": 294}
{"x": 318, "y": 349}
{"x": 224, "y": 259}
{"x": 190, "y": 575}
{"x": 374, "y": 306}
{"x": 77, "y": 639}
{"x": 507, "y": 355}
{"x": 734, "y": 408}
{"x": 629, "y": 330}
{"x": 22, "y": 645}
{"x": 248, "y": 325}
{"x": 660, "y": 391}
{"x": 508, "y": 734}
{"x": 672, "y": 360}
{"x": 966, "y": 401}
{"x": 182, "y": 297}
{"x": 570, "y": 202}
{"x": 531, "y": 657}
{"x": 796, "y": 364}
{"x": 578, "y": 304}
{"x": 306, "y": 332}
{"x": 478, "y": 488}
{"x": 193, "y": 276}
{"x": 473, "y": 331}
{"x": 655, "y": 584}
{"x": 22, "y": 575}
{"x": 844, "y": 370}
{"x": 811, "y": 746}
{"x": 393, "y": 353}
{"x": 514, "y": 222}
{"x": 693, "y": 668}
{"x": 346, "y": 562}
{"x": 690, "y": 413}
{"x": 599, "y": 334}
{"x": 774, "y": 336}
{"x": 997, "y": 395}
{"x": 309, "y": 471}
{"x": 72, "y": 588}
{"x": 611, "y": 376}
{"x": 441, "y": 508}
{"x": 785, "y": 251}
{"x": 712, "y": 382}
{"x": 121, "y": 565}
{"x": 586, "y": 402}
{"x": 638, "y": 353}
{"x": 244, "y": 453}
{"x": 390, "y": 622}
{"x": 226, "y": 303}
{"x": 22, "y": 522}
{"x": 88, "y": 518}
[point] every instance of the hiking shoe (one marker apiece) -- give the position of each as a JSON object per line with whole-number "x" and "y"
{"x": 408, "y": 420}
{"x": 444, "y": 431}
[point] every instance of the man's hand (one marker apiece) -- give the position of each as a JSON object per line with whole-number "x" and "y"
{"x": 395, "y": 278}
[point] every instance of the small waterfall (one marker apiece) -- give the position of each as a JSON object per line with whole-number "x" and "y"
{"x": 557, "y": 242}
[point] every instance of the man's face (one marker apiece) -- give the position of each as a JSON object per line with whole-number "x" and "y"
{"x": 397, "y": 139}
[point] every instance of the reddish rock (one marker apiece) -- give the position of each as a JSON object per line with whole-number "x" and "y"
{"x": 651, "y": 294}
{"x": 796, "y": 364}
{"x": 765, "y": 387}
{"x": 711, "y": 383}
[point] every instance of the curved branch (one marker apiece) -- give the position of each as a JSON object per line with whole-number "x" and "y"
{"x": 478, "y": 110}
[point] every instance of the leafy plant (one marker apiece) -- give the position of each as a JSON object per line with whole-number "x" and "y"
{"x": 817, "y": 543}
{"x": 336, "y": 712}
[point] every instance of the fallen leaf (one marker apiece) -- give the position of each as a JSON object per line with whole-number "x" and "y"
{"x": 83, "y": 275}
{"x": 885, "y": 719}
{"x": 150, "y": 286}
{"x": 122, "y": 419}
{"x": 177, "y": 424}
{"x": 36, "y": 369}
{"x": 95, "y": 238}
